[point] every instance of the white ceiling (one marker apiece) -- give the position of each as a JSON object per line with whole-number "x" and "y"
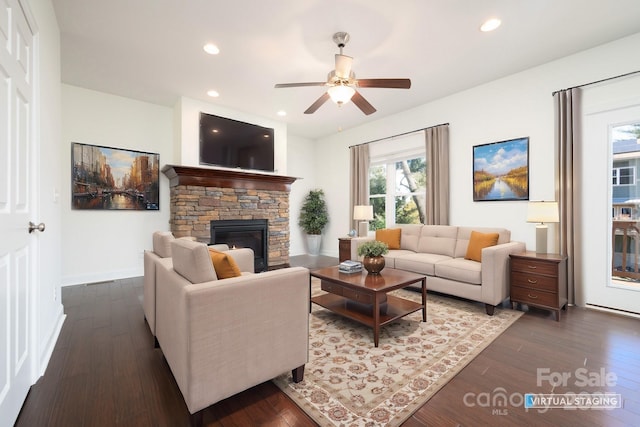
{"x": 151, "y": 50}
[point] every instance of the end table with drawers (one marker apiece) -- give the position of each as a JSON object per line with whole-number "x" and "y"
{"x": 539, "y": 280}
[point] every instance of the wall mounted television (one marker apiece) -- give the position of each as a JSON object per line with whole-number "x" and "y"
{"x": 234, "y": 144}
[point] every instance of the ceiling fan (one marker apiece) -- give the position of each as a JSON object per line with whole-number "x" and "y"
{"x": 342, "y": 82}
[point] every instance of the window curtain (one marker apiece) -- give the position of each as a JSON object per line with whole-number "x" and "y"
{"x": 437, "y": 160}
{"x": 568, "y": 192}
{"x": 359, "y": 189}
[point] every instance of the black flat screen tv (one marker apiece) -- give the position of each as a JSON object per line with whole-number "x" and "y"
{"x": 234, "y": 144}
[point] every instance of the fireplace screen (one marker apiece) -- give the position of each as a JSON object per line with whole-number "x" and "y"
{"x": 251, "y": 234}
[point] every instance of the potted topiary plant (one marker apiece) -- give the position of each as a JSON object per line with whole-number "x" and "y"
{"x": 372, "y": 252}
{"x": 313, "y": 218}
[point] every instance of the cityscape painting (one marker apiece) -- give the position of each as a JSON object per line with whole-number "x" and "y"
{"x": 501, "y": 170}
{"x": 114, "y": 178}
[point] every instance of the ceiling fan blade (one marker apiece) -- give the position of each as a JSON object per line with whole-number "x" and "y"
{"x": 362, "y": 103}
{"x": 312, "y": 109}
{"x": 280, "y": 85}
{"x": 343, "y": 66}
{"x": 385, "y": 83}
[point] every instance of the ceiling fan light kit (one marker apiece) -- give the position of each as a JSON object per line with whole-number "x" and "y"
{"x": 342, "y": 83}
{"x": 341, "y": 94}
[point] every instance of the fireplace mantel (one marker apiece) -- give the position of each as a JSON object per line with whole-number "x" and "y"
{"x": 189, "y": 175}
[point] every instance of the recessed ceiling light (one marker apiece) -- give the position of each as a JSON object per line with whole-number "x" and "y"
{"x": 211, "y": 49}
{"x": 213, "y": 94}
{"x": 490, "y": 25}
{"x": 282, "y": 113}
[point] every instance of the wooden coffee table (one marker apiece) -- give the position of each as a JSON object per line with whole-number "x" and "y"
{"x": 364, "y": 297}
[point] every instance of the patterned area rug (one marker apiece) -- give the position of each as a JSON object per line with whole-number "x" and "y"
{"x": 349, "y": 382}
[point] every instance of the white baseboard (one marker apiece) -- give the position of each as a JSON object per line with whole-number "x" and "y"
{"x": 613, "y": 311}
{"x": 51, "y": 342}
{"x": 83, "y": 279}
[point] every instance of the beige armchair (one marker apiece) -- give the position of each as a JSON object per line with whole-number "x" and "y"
{"x": 161, "y": 250}
{"x": 221, "y": 337}
{"x": 161, "y": 253}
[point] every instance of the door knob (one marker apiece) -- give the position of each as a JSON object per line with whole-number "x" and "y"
{"x": 33, "y": 227}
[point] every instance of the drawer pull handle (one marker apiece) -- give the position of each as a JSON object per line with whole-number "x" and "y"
{"x": 532, "y": 296}
{"x": 533, "y": 267}
{"x": 533, "y": 282}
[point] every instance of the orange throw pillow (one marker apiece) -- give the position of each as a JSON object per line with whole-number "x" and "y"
{"x": 390, "y": 236}
{"x": 224, "y": 264}
{"x": 479, "y": 241}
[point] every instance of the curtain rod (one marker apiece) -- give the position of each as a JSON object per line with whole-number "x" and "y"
{"x": 598, "y": 81}
{"x": 400, "y": 134}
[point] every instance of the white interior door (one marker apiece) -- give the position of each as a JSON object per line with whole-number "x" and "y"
{"x": 605, "y": 107}
{"x": 17, "y": 246}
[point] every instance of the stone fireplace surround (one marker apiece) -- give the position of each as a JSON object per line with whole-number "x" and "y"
{"x": 201, "y": 195}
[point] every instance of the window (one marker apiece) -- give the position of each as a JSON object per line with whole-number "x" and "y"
{"x": 624, "y": 176}
{"x": 397, "y": 180}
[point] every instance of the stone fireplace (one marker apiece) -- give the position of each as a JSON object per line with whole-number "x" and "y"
{"x": 199, "y": 196}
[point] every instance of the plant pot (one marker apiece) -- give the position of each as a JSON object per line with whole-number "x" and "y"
{"x": 313, "y": 243}
{"x": 373, "y": 265}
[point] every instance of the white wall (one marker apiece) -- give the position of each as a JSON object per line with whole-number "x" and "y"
{"x": 106, "y": 245}
{"x": 515, "y": 106}
{"x": 300, "y": 155}
{"x": 47, "y": 307}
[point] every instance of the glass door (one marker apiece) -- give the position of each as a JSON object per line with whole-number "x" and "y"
{"x": 625, "y": 203}
{"x": 608, "y": 167}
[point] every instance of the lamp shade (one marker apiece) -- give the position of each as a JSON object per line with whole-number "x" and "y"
{"x": 542, "y": 212}
{"x": 363, "y": 212}
{"x": 341, "y": 94}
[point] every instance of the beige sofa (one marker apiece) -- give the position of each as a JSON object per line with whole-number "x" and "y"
{"x": 438, "y": 251}
{"x": 221, "y": 337}
{"x": 161, "y": 244}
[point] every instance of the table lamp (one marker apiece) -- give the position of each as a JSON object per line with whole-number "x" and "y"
{"x": 364, "y": 214}
{"x": 542, "y": 212}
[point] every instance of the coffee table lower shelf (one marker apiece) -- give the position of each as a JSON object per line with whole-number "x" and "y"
{"x": 393, "y": 309}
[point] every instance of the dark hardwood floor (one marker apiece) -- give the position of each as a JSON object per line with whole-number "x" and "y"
{"x": 104, "y": 371}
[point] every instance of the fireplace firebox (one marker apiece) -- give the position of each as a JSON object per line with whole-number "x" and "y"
{"x": 244, "y": 233}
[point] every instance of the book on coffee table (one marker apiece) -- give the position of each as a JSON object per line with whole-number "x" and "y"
{"x": 350, "y": 266}
{"x": 357, "y": 270}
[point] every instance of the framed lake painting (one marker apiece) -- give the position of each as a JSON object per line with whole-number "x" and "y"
{"x": 114, "y": 178}
{"x": 501, "y": 170}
